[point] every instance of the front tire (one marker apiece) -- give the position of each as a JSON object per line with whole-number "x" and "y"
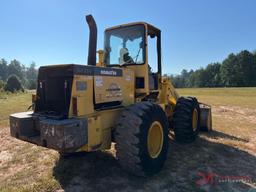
{"x": 142, "y": 139}
{"x": 186, "y": 119}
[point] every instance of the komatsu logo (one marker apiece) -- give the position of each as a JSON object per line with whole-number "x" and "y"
{"x": 105, "y": 72}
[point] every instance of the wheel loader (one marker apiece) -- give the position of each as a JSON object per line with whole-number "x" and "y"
{"x": 117, "y": 98}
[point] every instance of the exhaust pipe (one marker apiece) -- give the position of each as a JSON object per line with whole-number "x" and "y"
{"x": 91, "y": 60}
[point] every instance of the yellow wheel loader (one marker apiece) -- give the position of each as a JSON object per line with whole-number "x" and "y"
{"x": 117, "y": 99}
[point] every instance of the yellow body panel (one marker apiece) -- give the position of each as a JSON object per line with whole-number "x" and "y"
{"x": 103, "y": 89}
{"x": 100, "y": 126}
{"x": 94, "y": 133}
{"x": 167, "y": 97}
{"x": 141, "y": 71}
{"x": 128, "y": 88}
{"x": 168, "y": 94}
{"x": 101, "y": 123}
{"x": 109, "y": 88}
{"x": 84, "y": 97}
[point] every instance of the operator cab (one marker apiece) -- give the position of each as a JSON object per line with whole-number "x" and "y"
{"x": 127, "y": 46}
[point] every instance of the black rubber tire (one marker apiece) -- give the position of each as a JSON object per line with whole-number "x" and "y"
{"x": 131, "y": 138}
{"x": 182, "y": 119}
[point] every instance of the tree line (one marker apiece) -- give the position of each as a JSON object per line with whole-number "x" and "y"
{"x": 15, "y": 76}
{"x": 237, "y": 70}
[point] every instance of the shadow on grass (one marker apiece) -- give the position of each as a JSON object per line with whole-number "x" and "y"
{"x": 216, "y": 134}
{"x": 99, "y": 171}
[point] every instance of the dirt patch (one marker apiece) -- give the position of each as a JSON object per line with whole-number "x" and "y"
{"x": 231, "y": 112}
{"x": 5, "y": 156}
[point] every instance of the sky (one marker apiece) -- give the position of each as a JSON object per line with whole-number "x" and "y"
{"x": 194, "y": 32}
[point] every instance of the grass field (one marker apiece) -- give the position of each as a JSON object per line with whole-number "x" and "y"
{"x": 229, "y": 152}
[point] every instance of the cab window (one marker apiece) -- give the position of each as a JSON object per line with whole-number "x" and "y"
{"x": 125, "y": 45}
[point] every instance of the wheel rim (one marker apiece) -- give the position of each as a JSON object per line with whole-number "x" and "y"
{"x": 155, "y": 139}
{"x": 195, "y": 119}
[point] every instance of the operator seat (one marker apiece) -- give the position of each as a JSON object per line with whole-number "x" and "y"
{"x": 124, "y": 56}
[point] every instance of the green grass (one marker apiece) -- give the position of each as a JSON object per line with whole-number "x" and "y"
{"x": 12, "y": 103}
{"x": 244, "y": 97}
{"x": 230, "y": 150}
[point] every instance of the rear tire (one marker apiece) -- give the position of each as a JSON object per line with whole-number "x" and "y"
{"x": 142, "y": 139}
{"x": 186, "y": 119}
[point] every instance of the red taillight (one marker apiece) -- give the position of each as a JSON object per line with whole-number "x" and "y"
{"x": 74, "y": 105}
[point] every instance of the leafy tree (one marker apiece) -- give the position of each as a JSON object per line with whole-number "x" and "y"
{"x": 27, "y": 75}
{"x": 199, "y": 78}
{"x": 32, "y": 84}
{"x": 212, "y": 71}
{"x": 31, "y": 76}
{"x": 192, "y": 79}
{"x": 16, "y": 68}
{"x": 177, "y": 81}
{"x": 246, "y": 68}
{"x": 2, "y": 84}
{"x": 3, "y": 69}
{"x": 182, "y": 80}
{"x": 31, "y": 72}
{"x": 230, "y": 74}
{"x": 238, "y": 70}
{"x": 254, "y": 70}
{"x": 13, "y": 84}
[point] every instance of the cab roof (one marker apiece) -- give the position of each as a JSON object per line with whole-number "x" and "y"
{"x": 152, "y": 31}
